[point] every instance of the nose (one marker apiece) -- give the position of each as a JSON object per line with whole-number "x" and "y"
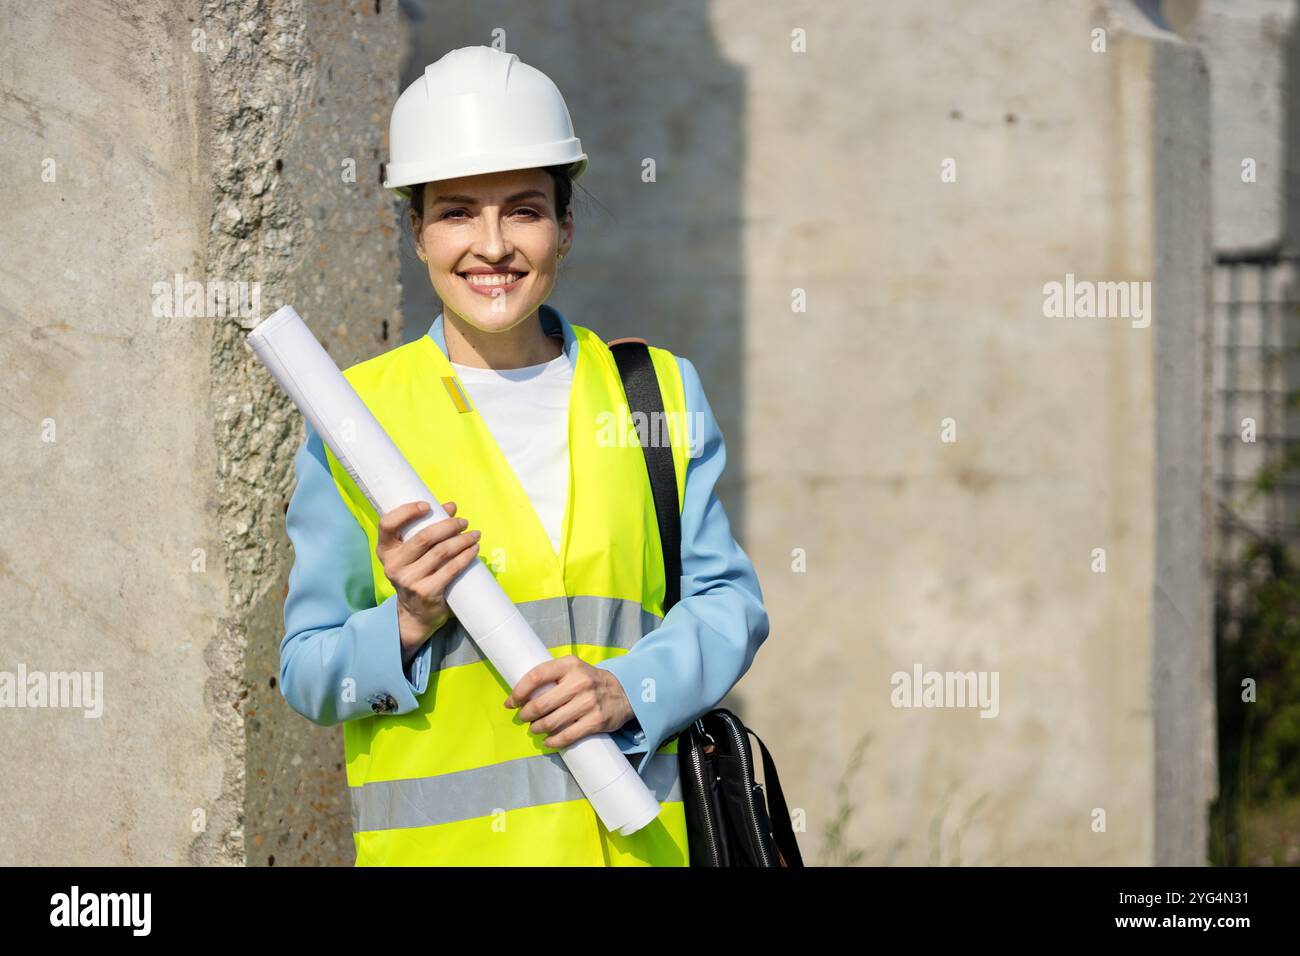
{"x": 491, "y": 244}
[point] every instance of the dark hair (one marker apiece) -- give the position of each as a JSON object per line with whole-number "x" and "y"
{"x": 563, "y": 194}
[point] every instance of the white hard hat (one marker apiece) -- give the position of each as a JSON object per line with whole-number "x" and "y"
{"x": 478, "y": 110}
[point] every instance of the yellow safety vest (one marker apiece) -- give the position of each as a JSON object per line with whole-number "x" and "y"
{"x": 460, "y": 781}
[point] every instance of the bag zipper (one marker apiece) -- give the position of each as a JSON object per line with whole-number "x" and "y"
{"x": 747, "y": 767}
{"x": 701, "y": 786}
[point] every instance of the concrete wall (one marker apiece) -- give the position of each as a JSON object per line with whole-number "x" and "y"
{"x": 926, "y": 304}
{"x": 1248, "y": 46}
{"x": 151, "y": 454}
{"x": 106, "y": 423}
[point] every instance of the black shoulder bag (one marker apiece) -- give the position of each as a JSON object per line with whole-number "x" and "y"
{"x": 727, "y": 819}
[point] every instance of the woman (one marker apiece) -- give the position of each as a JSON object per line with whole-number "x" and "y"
{"x": 504, "y": 408}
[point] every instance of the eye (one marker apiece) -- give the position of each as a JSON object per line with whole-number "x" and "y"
{"x": 528, "y": 209}
{"x": 449, "y": 212}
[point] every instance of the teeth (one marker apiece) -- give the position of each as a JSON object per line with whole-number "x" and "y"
{"x": 494, "y": 278}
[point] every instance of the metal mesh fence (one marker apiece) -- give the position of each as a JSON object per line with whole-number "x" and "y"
{"x": 1256, "y": 414}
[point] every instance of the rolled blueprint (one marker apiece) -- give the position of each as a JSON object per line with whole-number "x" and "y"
{"x": 309, "y": 376}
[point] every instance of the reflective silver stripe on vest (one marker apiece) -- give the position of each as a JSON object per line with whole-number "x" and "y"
{"x": 510, "y": 785}
{"x": 602, "y": 621}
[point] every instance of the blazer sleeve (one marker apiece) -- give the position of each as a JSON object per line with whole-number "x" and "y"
{"x": 341, "y": 655}
{"x": 707, "y": 641}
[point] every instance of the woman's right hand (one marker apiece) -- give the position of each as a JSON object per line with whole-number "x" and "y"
{"x": 421, "y": 567}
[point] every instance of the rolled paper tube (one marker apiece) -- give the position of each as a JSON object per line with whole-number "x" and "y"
{"x": 289, "y": 350}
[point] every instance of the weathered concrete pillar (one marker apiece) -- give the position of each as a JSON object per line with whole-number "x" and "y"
{"x": 1248, "y": 47}
{"x": 919, "y": 174}
{"x": 233, "y": 141}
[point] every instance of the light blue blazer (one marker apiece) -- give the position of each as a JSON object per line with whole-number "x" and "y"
{"x": 334, "y": 630}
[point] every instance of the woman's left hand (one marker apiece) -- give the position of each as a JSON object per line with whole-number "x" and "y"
{"x": 585, "y": 700}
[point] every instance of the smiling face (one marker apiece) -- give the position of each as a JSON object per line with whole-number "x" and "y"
{"x": 491, "y": 242}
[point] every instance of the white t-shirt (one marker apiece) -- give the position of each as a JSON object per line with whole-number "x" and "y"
{"x": 527, "y": 412}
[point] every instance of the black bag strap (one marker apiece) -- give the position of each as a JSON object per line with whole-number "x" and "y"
{"x": 641, "y": 385}
{"x": 778, "y": 813}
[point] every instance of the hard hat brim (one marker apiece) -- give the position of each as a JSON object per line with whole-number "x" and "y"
{"x": 401, "y": 177}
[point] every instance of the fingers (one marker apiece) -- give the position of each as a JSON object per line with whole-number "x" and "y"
{"x": 546, "y": 703}
{"x": 543, "y": 673}
{"x": 566, "y": 712}
{"x": 429, "y": 562}
{"x": 562, "y": 714}
{"x": 433, "y": 585}
{"x": 390, "y": 522}
{"x": 414, "y": 547}
{"x": 566, "y": 671}
{"x": 589, "y": 723}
